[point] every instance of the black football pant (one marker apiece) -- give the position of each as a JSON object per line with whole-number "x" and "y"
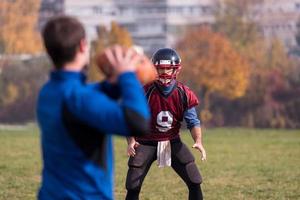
{"x": 183, "y": 162}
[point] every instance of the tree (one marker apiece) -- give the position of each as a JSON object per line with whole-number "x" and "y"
{"x": 116, "y": 35}
{"x": 295, "y": 51}
{"x": 18, "y": 22}
{"x": 270, "y": 66}
{"x": 297, "y": 37}
{"x": 233, "y": 19}
{"x": 212, "y": 65}
{"x": 20, "y": 82}
{"x": 119, "y": 35}
{"x": 277, "y": 56}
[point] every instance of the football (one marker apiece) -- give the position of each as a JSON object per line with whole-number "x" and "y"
{"x": 103, "y": 64}
{"x": 146, "y": 72}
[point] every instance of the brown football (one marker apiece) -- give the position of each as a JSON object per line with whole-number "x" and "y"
{"x": 145, "y": 72}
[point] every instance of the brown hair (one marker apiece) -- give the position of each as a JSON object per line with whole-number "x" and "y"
{"x": 62, "y": 36}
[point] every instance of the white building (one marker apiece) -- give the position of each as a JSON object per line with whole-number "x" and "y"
{"x": 92, "y": 13}
{"x": 159, "y": 23}
{"x": 152, "y": 23}
{"x": 155, "y": 24}
{"x": 48, "y": 9}
{"x": 278, "y": 19}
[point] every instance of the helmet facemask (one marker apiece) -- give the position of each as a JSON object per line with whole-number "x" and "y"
{"x": 167, "y": 73}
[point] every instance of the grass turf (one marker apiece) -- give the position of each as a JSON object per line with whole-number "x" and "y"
{"x": 241, "y": 164}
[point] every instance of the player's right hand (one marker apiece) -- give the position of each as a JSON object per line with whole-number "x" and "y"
{"x": 131, "y": 148}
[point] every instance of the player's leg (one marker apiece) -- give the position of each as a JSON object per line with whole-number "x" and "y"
{"x": 183, "y": 162}
{"x": 139, "y": 166}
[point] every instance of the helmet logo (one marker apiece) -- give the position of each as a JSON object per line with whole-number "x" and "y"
{"x": 165, "y": 62}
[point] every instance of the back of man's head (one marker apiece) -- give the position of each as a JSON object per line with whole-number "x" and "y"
{"x": 62, "y": 36}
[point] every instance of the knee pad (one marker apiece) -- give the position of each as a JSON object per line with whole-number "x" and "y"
{"x": 193, "y": 173}
{"x": 138, "y": 166}
{"x": 182, "y": 153}
{"x": 135, "y": 172}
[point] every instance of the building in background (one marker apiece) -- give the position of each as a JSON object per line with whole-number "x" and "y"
{"x": 152, "y": 23}
{"x": 278, "y": 19}
{"x": 159, "y": 23}
{"x": 92, "y": 13}
{"x": 155, "y": 24}
{"x": 48, "y": 9}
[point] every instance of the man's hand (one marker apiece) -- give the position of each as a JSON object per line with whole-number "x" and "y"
{"x": 200, "y": 147}
{"x": 121, "y": 61}
{"x": 132, "y": 145}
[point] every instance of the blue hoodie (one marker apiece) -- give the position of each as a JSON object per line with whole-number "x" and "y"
{"x": 76, "y": 120}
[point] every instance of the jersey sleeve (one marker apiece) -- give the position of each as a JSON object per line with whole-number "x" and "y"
{"x": 192, "y": 99}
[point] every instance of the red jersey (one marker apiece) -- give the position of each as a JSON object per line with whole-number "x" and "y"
{"x": 167, "y": 110}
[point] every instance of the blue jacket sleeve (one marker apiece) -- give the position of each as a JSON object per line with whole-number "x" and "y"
{"x": 129, "y": 116}
{"x": 111, "y": 90}
{"x": 191, "y": 118}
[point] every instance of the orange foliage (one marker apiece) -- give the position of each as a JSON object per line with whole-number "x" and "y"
{"x": 18, "y": 21}
{"x": 117, "y": 35}
{"x": 210, "y": 62}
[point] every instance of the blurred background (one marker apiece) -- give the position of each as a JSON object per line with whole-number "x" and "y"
{"x": 240, "y": 56}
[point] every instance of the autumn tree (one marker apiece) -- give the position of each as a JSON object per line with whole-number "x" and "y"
{"x": 295, "y": 51}
{"x": 213, "y": 66}
{"x": 97, "y": 47}
{"x": 233, "y": 19}
{"x": 297, "y": 36}
{"x": 116, "y": 35}
{"x": 18, "y": 33}
{"x": 268, "y": 60}
{"x": 19, "y": 85}
{"x": 119, "y": 35}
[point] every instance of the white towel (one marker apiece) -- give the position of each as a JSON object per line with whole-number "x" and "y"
{"x": 164, "y": 154}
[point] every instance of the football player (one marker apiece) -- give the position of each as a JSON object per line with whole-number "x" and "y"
{"x": 170, "y": 102}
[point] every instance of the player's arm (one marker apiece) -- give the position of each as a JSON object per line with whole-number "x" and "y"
{"x": 130, "y": 116}
{"x": 197, "y": 136}
{"x": 193, "y": 124}
{"x": 112, "y": 90}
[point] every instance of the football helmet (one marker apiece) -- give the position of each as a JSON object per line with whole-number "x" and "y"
{"x": 168, "y": 59}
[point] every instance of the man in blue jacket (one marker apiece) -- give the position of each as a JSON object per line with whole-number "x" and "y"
{"x": 77, "y": 119}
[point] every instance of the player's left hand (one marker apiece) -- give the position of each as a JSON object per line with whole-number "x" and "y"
{"x": 201, "y": 149}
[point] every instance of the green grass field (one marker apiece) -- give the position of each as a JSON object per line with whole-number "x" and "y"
{"x": 242, "y": 164}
